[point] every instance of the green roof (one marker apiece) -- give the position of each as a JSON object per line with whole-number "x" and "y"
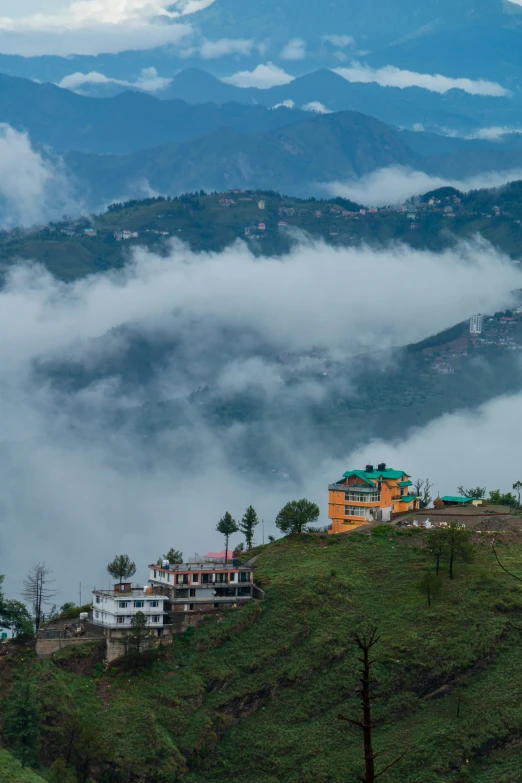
{"x": 375, "y": 475}
{"x": 407, "y": 498}
{"x": 456, "y": 499}
{"x": 405, "y": 484}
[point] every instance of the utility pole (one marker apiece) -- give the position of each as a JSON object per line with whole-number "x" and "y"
{"x": 263, "y": 524}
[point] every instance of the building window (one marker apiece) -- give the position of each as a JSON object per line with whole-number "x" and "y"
{"x": 155, "y": 574}
{"x": 195, "y": 577}
{"x": 155, "y": 618}
{"x": 207, "y": 578}
{"x": 233, "y": 576}
{"x": 191, "y": 607}
{"x": 138, "y": 604}
{"x": 96, "y": 614}
{"x": 120, "y": 620}
{"x": 98, "y": 599}
{"x": 192, "y": 593}
{"x": 123, "y": 604}
{"x": 154, "y": 604}
{"x": 356, "y": 511}
{"x": 363, "y": 497}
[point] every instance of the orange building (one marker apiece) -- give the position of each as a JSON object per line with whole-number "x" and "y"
{"x": 363, "y": 496}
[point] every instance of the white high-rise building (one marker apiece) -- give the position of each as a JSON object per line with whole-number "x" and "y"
{"x": 476, "y": 322}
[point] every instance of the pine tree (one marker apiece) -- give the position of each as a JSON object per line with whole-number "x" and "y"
{"x": 22, "y": 723}
{"x": 248, "y": 523}
{"x": 227, "y": 526}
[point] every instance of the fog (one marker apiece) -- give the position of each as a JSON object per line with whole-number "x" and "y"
{"x": 396, "y": 184}
{"x": 33, "y": 188}
{"x": 107, "y": 442}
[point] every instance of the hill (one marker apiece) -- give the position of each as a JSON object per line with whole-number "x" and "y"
{"x": 122, "y": 124}
{"x": 318, "y": 149}
{"x": 255, "y": 694}
{"x": 12, "y": 772}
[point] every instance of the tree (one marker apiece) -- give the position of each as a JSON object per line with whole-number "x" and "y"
{"x": 365, "y": 643}
{"x": 436, "y": 545}
{"x": 296, "y": 515}
{"x": 238, "y": 551}
{"x": 139, "y": 634}
{"x": 18, "y": 620}
{"x": 458, "y": 540}
{"x": 429, "y": 585}
{"x": 227, "y": 526}
{"x": 22, "y": 723}
{"x": 121, "y": 568}
{"x": 477, "y": 493}
{"x": 60, "y": 773}
{"x": 248, "y": 523}
{"x": 37, "y": 591}
{"x": 174, "y": 556}
{"x": 422, "y": 489}
{"x": 502, "y": 499}
{"x": 517, "y": 486}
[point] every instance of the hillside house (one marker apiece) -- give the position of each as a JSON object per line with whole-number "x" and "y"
{"x": 113, "y": 610}
{"x": 369, "y": 495}
{"x": 199, "y": 587}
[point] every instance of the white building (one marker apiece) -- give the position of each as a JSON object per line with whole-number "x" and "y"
{"x": 113, "y": 610}
{"x": 476, "y": 323}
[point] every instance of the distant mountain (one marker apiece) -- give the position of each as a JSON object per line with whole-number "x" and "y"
{"x": 125, "y": 123}
{"x": 292, "y": 159}
{"x": 372, "y": 23}
{"x": 456, "y": 110}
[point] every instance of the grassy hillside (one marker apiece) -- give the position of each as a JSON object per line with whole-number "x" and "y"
{"x": 11, "y": 770}
{"x": 254, "y": 695}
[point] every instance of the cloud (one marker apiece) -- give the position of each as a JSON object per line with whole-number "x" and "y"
{"x": 149, "y": 80}
{"x": 389, "y": 76}
{"x": 339, "y": 41}
{"x": 33, "y": 189}
{"x": 317, "y": 107}
{"x": 96, "y": 26}
{"x": 295, "y": 49}
{"x": 108, "y": 452}
{"x": 396, "y": 184}
{"x": 288, "y": 104}
{"x": 263, "y": 77}
{"x": 210, "y": 50}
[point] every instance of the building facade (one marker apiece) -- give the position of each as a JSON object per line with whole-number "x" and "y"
{"x": 369, "y": 495}
{"x": 193, "y": 587}
{"x": 113, "y": 610}
{"x": 476, "y": 324}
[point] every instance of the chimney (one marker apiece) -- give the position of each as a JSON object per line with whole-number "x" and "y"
{"x": 369, "y": 468}
{"x": 381, "y": 466}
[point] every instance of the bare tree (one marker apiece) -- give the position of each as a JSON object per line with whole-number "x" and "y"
{"x": 37, "y": 591}
{"x": 365, "y": 644}
{"x": 422, "y": 489}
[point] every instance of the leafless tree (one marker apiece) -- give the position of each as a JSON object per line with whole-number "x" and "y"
{"x": 422, "y": 489}
{"x": 37, "y": 591}
{"x": 365, "y": 644}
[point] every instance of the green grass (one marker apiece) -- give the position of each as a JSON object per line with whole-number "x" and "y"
{"x": 11, "y": 770}
{"x": 254, "y": 695}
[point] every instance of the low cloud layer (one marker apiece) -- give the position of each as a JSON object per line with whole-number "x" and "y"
{"x": 390, "y": 76}
{"x": 263, "y": 77}
{"x": 102, "y": 456}
{"x": 149, "y": 80}
{"x": 33, "y": 188}
{"x": 396, "y": 184}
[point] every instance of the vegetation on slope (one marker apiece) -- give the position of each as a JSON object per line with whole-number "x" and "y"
{"x": 255, "y": 693}
{"x": 11, "y": 770}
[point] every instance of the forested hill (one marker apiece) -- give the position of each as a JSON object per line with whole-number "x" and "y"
{"x": 255, "y": 694}
{"x": 72, "y": 249}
